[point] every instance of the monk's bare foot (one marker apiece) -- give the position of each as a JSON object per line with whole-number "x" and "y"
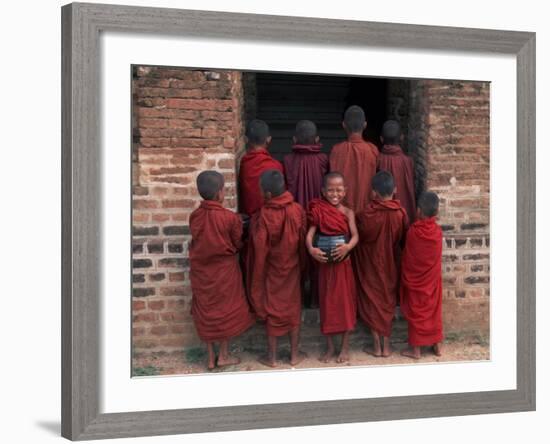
{"x": 373, "y": 351}
{"x": 228, "y": 360}
{"x": 437, "y": 349}
{"x": 327, "y": 357}
{"x": 387, "y": 352}
{"x": 411, "y": 353}
{"x": 299, "y": 357}
{"x": 211, "y": 364}
{"x": 343, "y": 357}
{"x": 268, "y": 362}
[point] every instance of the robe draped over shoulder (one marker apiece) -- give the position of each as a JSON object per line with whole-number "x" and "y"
{"x": 277, "y": 244}
{"x": 356, "y": 159}
{"x": 395, "y": 161}
{"x": 381, "y": 228}
{"x": 253, "y": 164}
{"x": 219, "y": 306}
{"x": 421, "y": 285}
{"x": 337, "y": 288}
{"x": 304, "y": 171}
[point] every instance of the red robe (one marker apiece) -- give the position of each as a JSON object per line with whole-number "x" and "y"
{"x": 381, "y": 227}
{"x": 337, "y": 290}
{"x": 219, "y": 305}
{"x": 421, "y": 288}
{"x": 356, "y": 160}
{"x": 253, "y": 164}
{"x": 401, "y": 167}
{"x": 277, "y": 244}
{"x": 304, "y": 170}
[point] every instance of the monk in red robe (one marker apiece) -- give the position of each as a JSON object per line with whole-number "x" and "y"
{"x": 355, "y": 159}
{"x": 277, "y": 235}
{"x": 421, "y": 288}
{"x": 328, "y": 218}
{"x": 381, "y": 228}
{"x": 219, "y": 306}
{"x": 395, "y": 161}
{"x": 256, "y": 160}
{"x": 304, "y": 171}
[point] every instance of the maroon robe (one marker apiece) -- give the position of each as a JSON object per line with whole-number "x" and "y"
{"x": 356, "y": 160}
{"x": 337, "y": 290}
{"x": 421, "y": 287}
{"x": 253, "y": 164}
{"x": 401, "y": 167}
{"x": 219, "y": 305}
{"x": 381, "y": 227}
{"x": 304, "y": 171}
{"x": 277, "y": 244}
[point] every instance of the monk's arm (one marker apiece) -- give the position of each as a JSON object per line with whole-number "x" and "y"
{"x": 342, "y": 250}
{"x": 316, "y": 253}
{"x": 236, "y": 232}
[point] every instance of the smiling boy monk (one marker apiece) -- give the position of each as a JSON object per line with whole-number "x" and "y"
{"x": 277, "y": 235}
{"x": 219, "y": 307}
{"x": 356, "y": 159}
{"x": 381, "y": 228}
{"x": 337, "y": 290}
{"x": 421, "y": 288}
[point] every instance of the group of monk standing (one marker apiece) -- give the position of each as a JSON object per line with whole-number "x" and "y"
{"x": 390, "y": 252}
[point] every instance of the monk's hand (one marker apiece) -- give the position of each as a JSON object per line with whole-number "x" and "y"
{"x": 339, "y": 252}
{"x": 318, "y": 254}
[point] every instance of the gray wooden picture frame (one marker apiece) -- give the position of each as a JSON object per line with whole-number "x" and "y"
{"x": 81, "y": 231}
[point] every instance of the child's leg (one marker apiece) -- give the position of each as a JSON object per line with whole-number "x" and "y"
{"x": 211, "y": 355}
{"x": 296, "y": 356}
{"x": 412, "y": 352}
{"x": 438, "y": 349}
{"x": 271, "y": 359}
{"x": 330, "y": 350}
{"x": 344, "y": 350}
{"x": 377, "y": 348}
{"x": 224, "y": 358}
{"x": 387, "y": 347}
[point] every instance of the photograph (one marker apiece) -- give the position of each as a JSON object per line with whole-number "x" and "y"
{"x": 285, "y": 221}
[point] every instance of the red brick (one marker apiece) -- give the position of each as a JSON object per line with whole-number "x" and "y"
{"x": 200, "y": 104}
{"x": 142, "y": 204}
{"x": 138, "y": 305}
{"x": 176, "y": 277}
{"x": 226, "y": 163}
{"x": 155, "y": 305}
{"x": 159, "y": 330}
{"x": 183, "y": 203}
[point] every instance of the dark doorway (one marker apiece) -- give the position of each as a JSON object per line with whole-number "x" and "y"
{"x": 284, "y": 99}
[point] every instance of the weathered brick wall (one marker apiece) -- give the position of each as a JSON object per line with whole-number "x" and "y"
{"x": 185, "y": 121}
{"x": 449, "y": 129}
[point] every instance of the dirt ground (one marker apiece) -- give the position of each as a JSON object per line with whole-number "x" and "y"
{"x": 193, "y": 361}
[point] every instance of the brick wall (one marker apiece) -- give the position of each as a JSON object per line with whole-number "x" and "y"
{"x": 184, "y": 122}
{"x": 449, "y": 134}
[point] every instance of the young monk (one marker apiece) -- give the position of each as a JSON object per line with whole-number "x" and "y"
{"x": 256, "y": 160}
{"x": 381, "y": 228}
{"x": 219, "y": 307}
{"x": 277, "y": 235}
{"x": 304, "y": 170}
{"x": 337, "y": 291}
{"x": 355, "y": 159}
{"x": 395, "y": 161}
{"x": 421, "y": 289}
{"x": 306, "y": 165}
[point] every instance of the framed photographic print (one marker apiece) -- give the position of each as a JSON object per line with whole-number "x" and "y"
{"x": 154, "y": 97}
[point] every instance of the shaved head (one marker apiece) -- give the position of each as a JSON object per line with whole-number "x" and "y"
{"x": 209, "y": 183}
{"x": 354, "y": 119}
{"x": 428, "y": 203}
{"x": 272, "y": 181}
{"x": 383, "y": 184}
{"x": 332, "y": 175}
{"x": 306, "y": 132}
{"x": 391, "y": 132}
{"x": 257, "y": 132}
